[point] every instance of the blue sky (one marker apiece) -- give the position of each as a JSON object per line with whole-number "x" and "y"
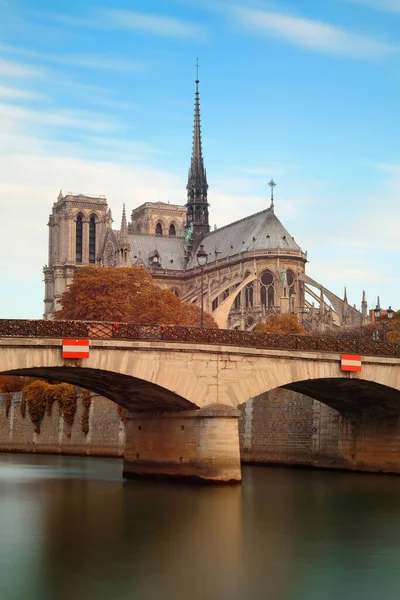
{"x": 97, "y": 97}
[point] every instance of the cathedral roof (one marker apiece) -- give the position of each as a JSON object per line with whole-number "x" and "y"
{"x": 170, "y": 250}
{"x": 261, "y": 231}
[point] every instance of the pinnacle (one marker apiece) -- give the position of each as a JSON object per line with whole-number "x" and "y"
{"x": 124, "y": 227}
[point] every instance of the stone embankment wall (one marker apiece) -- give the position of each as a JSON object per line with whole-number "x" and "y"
{"x": 105, "y": 437}
{"x": 280, "y": 427}
{"x": 285, "y": 427}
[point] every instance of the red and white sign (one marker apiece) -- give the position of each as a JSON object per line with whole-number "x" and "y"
{"x": 351, "y": 362}
{"x": 75, "y": 348}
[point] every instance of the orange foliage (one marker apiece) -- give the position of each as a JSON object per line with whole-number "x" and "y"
{"x": 125, "y": 294}
{"x": 285, "y": 323}
{"x": 393, "y": 334}
{"x": 40, "y": 396}
{"x": 12, "y": 383}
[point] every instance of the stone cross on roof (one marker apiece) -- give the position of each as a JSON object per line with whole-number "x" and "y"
{"x": 272, "y": 185}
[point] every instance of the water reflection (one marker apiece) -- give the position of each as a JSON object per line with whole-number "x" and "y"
{"x": 72, "y": 528}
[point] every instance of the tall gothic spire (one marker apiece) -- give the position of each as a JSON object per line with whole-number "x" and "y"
{"x": 197, "y": 186}
{"x": 124, "y": 250}
{"x": 124, "y": 229}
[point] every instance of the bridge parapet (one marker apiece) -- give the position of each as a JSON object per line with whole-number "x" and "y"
{"x": 132, "y": 331}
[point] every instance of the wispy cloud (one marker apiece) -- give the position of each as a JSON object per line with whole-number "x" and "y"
{"x": 154, "y": 24}
{"x": 91, "y": 61}
{"x": 9, "y": 93}
{"x": 130, "y": 20}
{"x": 64, "y": 19}
{"x": 314, "y": 35}
{"x": 97, "y": 95}
{"x": 10, "y": 68}
{"x": 84, "y": 61}
{"x": 392, "y": 6}
{"x": 70, "y": 119}
{"x": 390, "y": 168}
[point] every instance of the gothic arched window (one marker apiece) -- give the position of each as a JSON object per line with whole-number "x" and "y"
{"x": 291, "y": 282}
{"x": 249, "y": 294}
{"x": 158, "y": 229}
{"x": 172, "y": 230}
{"x": 92, "y": 240}
{"x": 267, "y": 292}
{"x": 237, "y": 301}
{"x": 78, "y": 244}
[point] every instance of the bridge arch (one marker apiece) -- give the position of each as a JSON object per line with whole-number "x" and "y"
{"x": 132, "y": 393}
{"x": 317, "y": 375}
{"x": 136, "y": 380}
{"x": 348, "y": 395}
{"x": 160, "y": 374}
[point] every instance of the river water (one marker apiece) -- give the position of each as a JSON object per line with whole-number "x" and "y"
{"x": 72, "y": 528}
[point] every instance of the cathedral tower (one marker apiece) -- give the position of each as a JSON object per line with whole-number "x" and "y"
{"x": 197, "y": 186}
{"x": 77, "y": 225}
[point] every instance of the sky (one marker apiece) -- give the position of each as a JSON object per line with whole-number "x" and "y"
{"x": 97, "y": 97}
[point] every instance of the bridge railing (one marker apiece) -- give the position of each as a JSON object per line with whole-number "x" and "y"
{"x": 132, "y": 331}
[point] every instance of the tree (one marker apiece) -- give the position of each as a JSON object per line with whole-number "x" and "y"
{"x": 125, "y": 294}
{"x": 393, "y": 333}
{"x": 284, "y": 323}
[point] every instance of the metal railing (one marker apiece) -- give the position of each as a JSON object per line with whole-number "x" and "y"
{"x": 132, "y": 331}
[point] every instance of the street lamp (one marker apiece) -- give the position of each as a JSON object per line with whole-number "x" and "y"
{"x": 202, "y": 258}
{"x": 377, "y": 313}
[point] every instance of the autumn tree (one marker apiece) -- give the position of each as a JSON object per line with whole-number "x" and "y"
{"x": 284, "y": 323}
{"x": 393, "y": 332}
{"x": 125, "y": 294}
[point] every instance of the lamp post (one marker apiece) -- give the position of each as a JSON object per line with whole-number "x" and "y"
{"x": 202, "y": 258}
{"x": 378, "y": 317}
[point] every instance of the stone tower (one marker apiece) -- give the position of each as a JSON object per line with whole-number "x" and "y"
{"x": 197, "y": 186}
{"x": 77, "y": 225}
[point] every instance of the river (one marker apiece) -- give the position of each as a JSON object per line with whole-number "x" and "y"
{"x": 72, "y": 528}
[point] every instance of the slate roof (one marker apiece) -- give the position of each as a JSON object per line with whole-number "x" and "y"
{"x": 261, "y": 231}
{"x": 170, "y": 249}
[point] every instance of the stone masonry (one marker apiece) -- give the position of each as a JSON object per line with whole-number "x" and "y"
{"x": 106, "y": 436}
{"x": 280, "y": 427}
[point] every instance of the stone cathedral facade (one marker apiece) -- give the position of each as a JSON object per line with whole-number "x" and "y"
{"x": 255, "y": 268}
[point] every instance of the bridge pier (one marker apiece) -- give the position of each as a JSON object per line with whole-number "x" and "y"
{"x": 197, "y": 445}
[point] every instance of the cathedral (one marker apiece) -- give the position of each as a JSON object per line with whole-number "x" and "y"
{"x": 254, "y": 267}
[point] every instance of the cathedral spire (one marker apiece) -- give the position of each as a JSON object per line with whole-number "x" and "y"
{"x": 124, "y": 229}
{"x": 123, "y": 256}
{"x": 197, "y": 186}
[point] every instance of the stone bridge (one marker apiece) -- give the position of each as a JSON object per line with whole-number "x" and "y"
{"x": 182, "y": 386}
